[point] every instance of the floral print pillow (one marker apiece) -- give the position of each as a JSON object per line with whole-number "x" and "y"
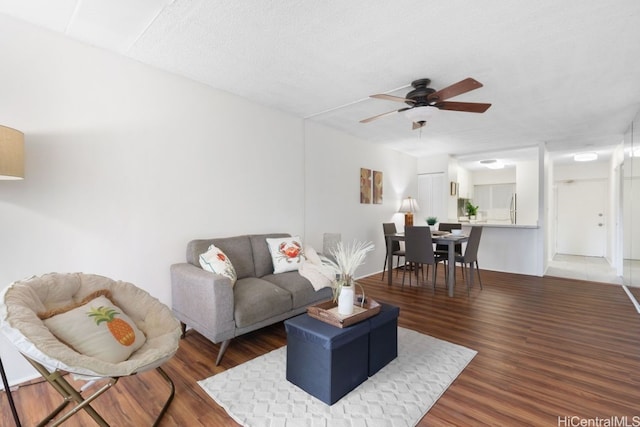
{"x": 215, "y": 261}
{"x": 286, "y": 253}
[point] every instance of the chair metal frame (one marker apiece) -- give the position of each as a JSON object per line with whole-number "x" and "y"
{"x": 70, "y": 394}
{"x": 7, "y": 390}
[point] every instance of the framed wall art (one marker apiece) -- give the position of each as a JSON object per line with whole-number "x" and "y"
{"x": 365, "y": 185}
{"x": 377, "y": 187}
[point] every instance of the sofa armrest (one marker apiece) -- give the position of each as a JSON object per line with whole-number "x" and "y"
{"x": 203, "y": 301}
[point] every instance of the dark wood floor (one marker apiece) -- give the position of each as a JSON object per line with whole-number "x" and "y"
{"x": 547, "y": 348}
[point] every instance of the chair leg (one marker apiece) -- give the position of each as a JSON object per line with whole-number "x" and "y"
{"x": 62, "y": 386}
{"x": 70, "y": 394}
{"x": 478, "y": 271}
{"x": 433, "y": 276}
{"x": 172, "y": 392}
{"x": 404, "y": 272}
{"x": 183, "y": 328}
{"x": 467, "y": 278}
{"x": 384, "y": 267}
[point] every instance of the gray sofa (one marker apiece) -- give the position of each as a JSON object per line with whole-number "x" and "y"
{"x": 208, "y": 303}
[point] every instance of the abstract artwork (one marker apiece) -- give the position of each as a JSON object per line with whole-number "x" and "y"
{"x": 377, "y": 187}
{"x": 365, "y": 185}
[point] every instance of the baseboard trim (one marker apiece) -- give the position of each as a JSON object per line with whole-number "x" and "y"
{"x": 632, "y": 298}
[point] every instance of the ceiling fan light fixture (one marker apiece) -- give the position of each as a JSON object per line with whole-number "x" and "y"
{"x": 585, "y": 157}
{"x": 420, "y": 114}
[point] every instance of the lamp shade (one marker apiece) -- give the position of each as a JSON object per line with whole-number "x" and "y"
{"x": 420, "y": 114}
{"x": 409, "y": 205}
{"x": 11, "y": 153}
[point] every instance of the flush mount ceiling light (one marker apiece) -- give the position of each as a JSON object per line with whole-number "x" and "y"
{"x": 585, "y": 157}
{"x": 492, "y": 164}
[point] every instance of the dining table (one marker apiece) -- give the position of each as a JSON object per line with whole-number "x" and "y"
{"x": 437, "y": 237}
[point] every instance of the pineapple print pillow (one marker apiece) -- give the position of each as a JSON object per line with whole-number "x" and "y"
{"x": 96, "y": 327}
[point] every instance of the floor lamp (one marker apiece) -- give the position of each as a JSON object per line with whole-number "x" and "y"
{"x": 11, "y": 167}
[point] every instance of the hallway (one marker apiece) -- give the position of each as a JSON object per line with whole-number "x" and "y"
{"x": 593, "y": 269}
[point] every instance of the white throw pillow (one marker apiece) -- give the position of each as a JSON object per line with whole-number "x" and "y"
{"x": 311, "y": 255}
{"x": 286, "y": 253}
{"x": 215, "y": 261}
{"x": 98, "y": 329}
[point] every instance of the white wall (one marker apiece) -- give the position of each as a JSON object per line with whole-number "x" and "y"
{"x": 125, "y": 164}
{"x": 443, "y": 163}
{"x": 527, "y": 190}
{"x": 582, "y": 170}
{"x": 493, "y": 176}
{"x": 332, "y": 190}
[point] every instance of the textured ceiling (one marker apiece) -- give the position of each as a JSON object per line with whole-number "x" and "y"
{"x": 565, "y": 72}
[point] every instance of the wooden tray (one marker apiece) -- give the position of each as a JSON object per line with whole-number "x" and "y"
{"x": 327, "y": 311}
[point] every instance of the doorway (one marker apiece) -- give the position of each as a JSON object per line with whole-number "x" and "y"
{"x": 580, "y": 218}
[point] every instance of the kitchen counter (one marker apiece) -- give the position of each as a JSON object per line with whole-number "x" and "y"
{"x": 465, "y": 223}
{"x": 488, "y": 224}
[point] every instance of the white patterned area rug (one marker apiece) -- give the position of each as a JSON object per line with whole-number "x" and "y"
{"x": 257, "y": 393}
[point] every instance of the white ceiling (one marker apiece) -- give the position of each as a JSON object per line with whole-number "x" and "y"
{"x": 564, "y": 72}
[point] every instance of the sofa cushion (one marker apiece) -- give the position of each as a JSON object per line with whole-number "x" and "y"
{"x": 238, "y": 249}
{"x": 261, "y": 254}
{"x": 302, "y": 292}
{"x": 257, "y": 300}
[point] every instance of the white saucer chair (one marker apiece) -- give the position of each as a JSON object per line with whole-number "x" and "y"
{"x": 88, "y": 312}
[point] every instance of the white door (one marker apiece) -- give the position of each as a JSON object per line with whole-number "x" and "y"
{"x": 430, "y": 198}
{"x": 581, "y": 227}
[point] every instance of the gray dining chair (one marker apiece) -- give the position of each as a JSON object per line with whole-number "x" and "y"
{"x": 419, "y": 252}
{"x": 390, "y": 228}
{"x": 471, "y": 257}
{"x": 329, "y": 243}
{"x": 448, "y": 226}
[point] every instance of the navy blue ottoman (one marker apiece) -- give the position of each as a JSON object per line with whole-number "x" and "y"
{"x": 325, "y": 361}
{"x": 383, "y": 337}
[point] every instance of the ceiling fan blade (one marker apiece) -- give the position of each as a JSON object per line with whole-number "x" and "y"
{"x": 418, "y": 125}
{"x": 388, "y": 113}
{"x": 455, "y": 89}
{"x": 391, "y": 98}
{"x": 469, "y": 107}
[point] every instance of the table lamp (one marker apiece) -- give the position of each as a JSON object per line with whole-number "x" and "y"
{"x": 408, "y": 207}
